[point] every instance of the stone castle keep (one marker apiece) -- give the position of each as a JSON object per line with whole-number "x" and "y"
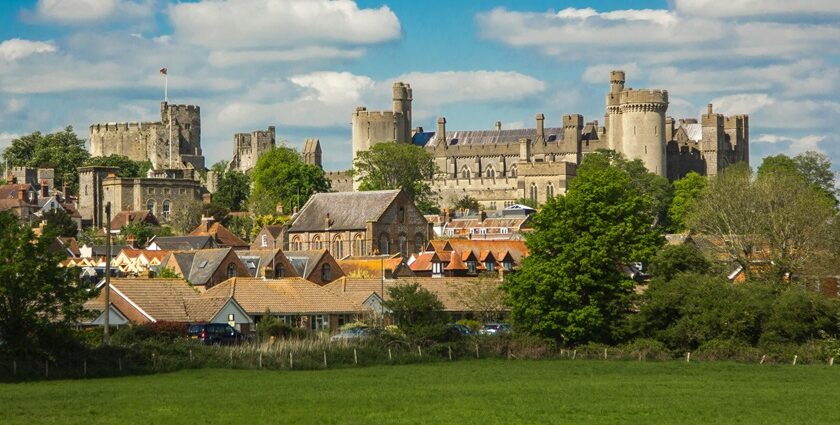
{"x": 498, "y": 166}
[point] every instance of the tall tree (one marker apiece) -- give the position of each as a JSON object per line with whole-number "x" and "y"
{"x": 778, "y": 219}
{"x": 414, "y": 307}
{"x": 62, "y": 151}
{"x": 686, "y": 191}
{"x": 186, "y": 217}
{"x": 37, "y": 296}
{"x": 571, "y": 287}
{"x": 398, "y": 166}
{"x": 128, "y": 167}
{"x": 813, "y": 167}
{"x": 233, "y": 190}
{"x": 482, "y": 295}
{"x": 281, "y": 176}
{"x": 61, "y": 222}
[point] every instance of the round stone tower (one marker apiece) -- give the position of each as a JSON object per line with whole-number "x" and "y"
{"x": 613, "y": 115}
{"x": 643, "y": 127}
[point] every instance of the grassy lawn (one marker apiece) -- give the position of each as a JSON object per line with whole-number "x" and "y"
{"x": 480, "y": 391}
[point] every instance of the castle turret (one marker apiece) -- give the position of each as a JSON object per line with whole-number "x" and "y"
{"x": 540, "y": 136}
{"x": 713, "y": 138}
{"x": 440, "y": 135}
{"x": 572, "y": 127}
{"x": 312, "y": 152}
{"x": 402, "y": 111}
{"x": 643, "y": 127}
{"x": 613, "y": 116}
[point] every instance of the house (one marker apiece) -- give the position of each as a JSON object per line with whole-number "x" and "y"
{"x": 141, "y": 301}
{"x": 295, "y": 301}
{"x": 19, "y": 199}
{"x": 138, "y": 261}
{"x": 467, "y": 257}
{"x": 480, "y": 226}
{"x": 314, "y": 265}
{"x": 222, "y": 237}
{"x": 359, "y": 224}
{"x": 181, "y": 243}
{"x": 270, "y": 263}
{"x": 374, "y": 267}
{"x": 269, "y": 237}
{"x": 206, "y": 267}
{"x": 124, "y": 218}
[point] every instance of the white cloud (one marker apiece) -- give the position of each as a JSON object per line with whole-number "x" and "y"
{"x": 277, "y": 24}
{"x": 6, "y": 139}
{"x": 16, "y": 48}
{"x": 238, "y": 57}
{"x": 471, "y": 86}
{"x": 748, "y": 8}
{"x": 795, "y": 145}
{"x": 87, "y": 11}
{"x": 333, "y": 87}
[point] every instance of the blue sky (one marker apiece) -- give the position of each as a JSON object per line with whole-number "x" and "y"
{"x": 304, "y": 65}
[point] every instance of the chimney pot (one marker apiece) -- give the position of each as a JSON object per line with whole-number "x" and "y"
{"x": 709, "y": 109}
{"x": 498, "y": 126}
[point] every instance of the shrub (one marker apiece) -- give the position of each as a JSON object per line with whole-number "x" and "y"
{"x": 165, "y": 331}
{"x": 727, "y": 349}
{"x": 474, "y": 325}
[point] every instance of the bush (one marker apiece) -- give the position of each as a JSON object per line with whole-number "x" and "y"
{"x": 474, "y": 325}
{"x": 798, "y": 315}
{"x": 162, "y": 331}
{"x": 727, "y": 349}
{"x": 646, "y": 349}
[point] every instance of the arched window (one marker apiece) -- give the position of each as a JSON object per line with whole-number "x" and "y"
{"x": 150, "y": 205}
{"x": 384, "y": 245}
{"x": 316, "y": 242}
{"x": 264, "y": 241}
{"x": 231, "y": 270}
{"x": 512, "y": 171}
{"x": 358, "y": 247}
{"x": 465, "y": 172}
{"x": 402, "y": 214}
{"x": 326, "y": 273}
{"x": 534, "y": 193}
{"x": 419, "y": 242}
{"x": 490, "y": 172}
{"x": 549, "y": 191}
{"x": 278, "y": 270}
{"x": 165, "y": 209}
{"x": 338, "y": 247}
{"x": 296, "y": 244}
{"x": 403, "y": 244}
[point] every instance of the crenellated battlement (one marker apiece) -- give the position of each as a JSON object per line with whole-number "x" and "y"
{"x": 643, "y": 96}
{"x": 376, "y": 115}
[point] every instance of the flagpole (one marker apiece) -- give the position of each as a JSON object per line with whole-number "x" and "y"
{"x": 166, "y": 87}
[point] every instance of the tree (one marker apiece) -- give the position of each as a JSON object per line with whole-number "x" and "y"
{"x": 813, "y": 167}
{"x": 61, "y": 222}
{"x": 217, "y": 211}
{"x": 467, "y": 203}
{"x": 398, "y": 166}
{"x": 414, "y": 307}
{"x": 281, "y": 176}
{"x": 140, "y": 232}
{"x": 686, "y": 191}
{"x": 128, "y": 167}
{"x": 261, "y": 221}
{"x": 777, "y": 225}
{"x": 186, "y": 217}
{"x": 673, "y": 259}
{"x": 483, "y": 295}
{"x": 63, "y": 151}
{"x": 37, "y": 297}
{"x": 241, "y": 226}
{"x": 571, "y": 287}
{"x": 232, "y": 192}
{"x": 167, "y": 273}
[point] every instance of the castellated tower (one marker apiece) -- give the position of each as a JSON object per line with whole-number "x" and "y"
{"x": 248, "y": 147}
{"x": 636, "y": 123}
{"x": 142, "y": 141}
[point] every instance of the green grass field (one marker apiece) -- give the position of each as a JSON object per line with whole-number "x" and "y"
{"x": 480, "y": 391}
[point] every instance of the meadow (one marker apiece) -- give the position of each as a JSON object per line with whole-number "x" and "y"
{"x": 486, "y": 391}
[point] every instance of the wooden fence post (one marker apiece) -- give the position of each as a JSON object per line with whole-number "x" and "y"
{"x": 389, "y": 354}
{"x": 419, "y": 351}
{"x": 574, "y": 354}
{"x": 794, "y": 359}
{"x": 605, "y": 354}
{"x": 325, "y": 359}
{"x": 688, "y": 357}
{"x": 191, "y": 355}
{"x": 476, "y": 350}
{"x": 291, "y": 361}
{"x": 260, "y": 359}
{"x": 763, "y": 358}
{"x": 84, "y": 367}
{"x": 355, "y": 357}
{"x": 450, "y": 352}
{"x": 831, "y": 362}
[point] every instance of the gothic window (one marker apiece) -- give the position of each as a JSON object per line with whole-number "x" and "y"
{"x": 465, "y": 172}
{"x": 231, "y": 270}
{"x": 489, "y": 172}
{"x": 403, "y": 244}
{"x": 512, "y": 171}
{"x": 533, "y": 193}
{"x": 150, "y": 205}
{"x": 357, "y": 246}
{"x": 296, "y": 244}
{"x": 326, "y": 273}
{"x": 549, "y": 191}
{"x": 166, "y": 208}
{"x": 493, "y": 205}
{"x": 316, "y": 242}
{"x": 384, "y": 247}
{"x": 338, "y": 247}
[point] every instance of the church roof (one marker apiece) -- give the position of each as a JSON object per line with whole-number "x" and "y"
{"x": 694, "y": 131}
{"x": 487, "y": 137}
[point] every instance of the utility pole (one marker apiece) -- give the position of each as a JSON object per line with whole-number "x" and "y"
{"x": 106, "y": 334}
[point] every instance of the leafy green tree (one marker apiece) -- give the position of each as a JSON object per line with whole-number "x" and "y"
{"x": 673, "y": 259}
{"x": 61, "y": 222}
{"x": 62, "y": 151}
{"x": 185, "y": 217}
{"x": 232, "y": 192}
{"x": 240, "y": 226}
{"x": 261, "y": 221}
{"x": 813, "y": 167}
{"x": 140, "y": 232}
{"x": 128, "y": 167}
{"x": 398, "y": 166}
{"x": 528, "y": 202}
{"x": 37, "y": 297}
{"x": 686, "y": 191}
{"x": 414, "y": 307}
{"x": 467, "y": 202}
{"x": 571, "y": 287}
{"x": 777, "y": 164}
{"x": 281, "y": 176}
{"x": 167, "y": 273}
{"x": 217, "y": 211}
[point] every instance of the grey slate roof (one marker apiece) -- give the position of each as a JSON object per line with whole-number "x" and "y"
{"x": 304, "y": 261}
{"x": 180, "y": 243}
{"x": 487, "y": 137}
{"x": 347, "y": 210}
{"x": 198, "y": 266}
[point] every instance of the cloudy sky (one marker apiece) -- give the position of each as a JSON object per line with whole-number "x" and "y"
{"x": 304, "y": 65}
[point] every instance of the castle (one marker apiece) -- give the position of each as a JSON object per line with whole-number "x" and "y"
{"x": 248, "y": 147}
{"x": 499, "y": 166}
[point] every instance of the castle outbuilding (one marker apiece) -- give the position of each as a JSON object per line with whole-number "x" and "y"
{"x": 499, "y": 166}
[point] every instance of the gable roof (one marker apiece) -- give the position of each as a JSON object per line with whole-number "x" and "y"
{"x": 181, "y": 243}
{"x": 199, "y": 266}
{"x": 346, "y": 210}
{"x": 220, "y": 234}
{"x": 304, "y": 262}
{"x": 288, "y": 295}
{"x": 127, "y": 217}
{"x": 445, "y": 288}
{"x": 487, "y": 137}
{"x": 158, "y": 299}
{"x": 370, "y": 266}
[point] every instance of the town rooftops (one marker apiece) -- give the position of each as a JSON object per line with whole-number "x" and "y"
{"x": 487, "y": 137}
{"x": 129, "y": 217}
{"x": 278, "y": 296}
{"x": 180, "y": 243}
{"x": 220, "y": 234}
{"x": 343, "y": 210}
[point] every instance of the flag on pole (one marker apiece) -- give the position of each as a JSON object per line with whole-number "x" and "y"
{"x": 163, "y": 71}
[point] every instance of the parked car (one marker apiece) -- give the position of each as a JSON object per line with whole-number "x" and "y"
{"x": 460, "y": 329}
{"x": 215, "y": 333}
{"x": 352, "y": 334}
{"x": 495, "y": 329}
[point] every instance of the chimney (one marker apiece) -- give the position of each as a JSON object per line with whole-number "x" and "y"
{"x": 441, "y": 130}
{"x": 540, "y": 127}
{"x": 130, "y": 240}
{"x": 498, "y": 126}
{"x": 482, "y": 215}
{"x": 327, "y": 221}
{"x": 45, "y": 190}
{"x": 207, "y": 198}
{"x": 22, "y": 194}
{"x": 280, "y": 210}
{"x": 294, "y": 210}
{"x": 12, "y": 178}
{"x": 709, "y": 109}
{"x": 206, "y": 222}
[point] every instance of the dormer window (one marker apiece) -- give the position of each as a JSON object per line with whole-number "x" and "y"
{"x": 490, "y": 266}
{"x": 472, "y": 267}
{"x": 437, "y": 268}
{"x": 508, "y": 265}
